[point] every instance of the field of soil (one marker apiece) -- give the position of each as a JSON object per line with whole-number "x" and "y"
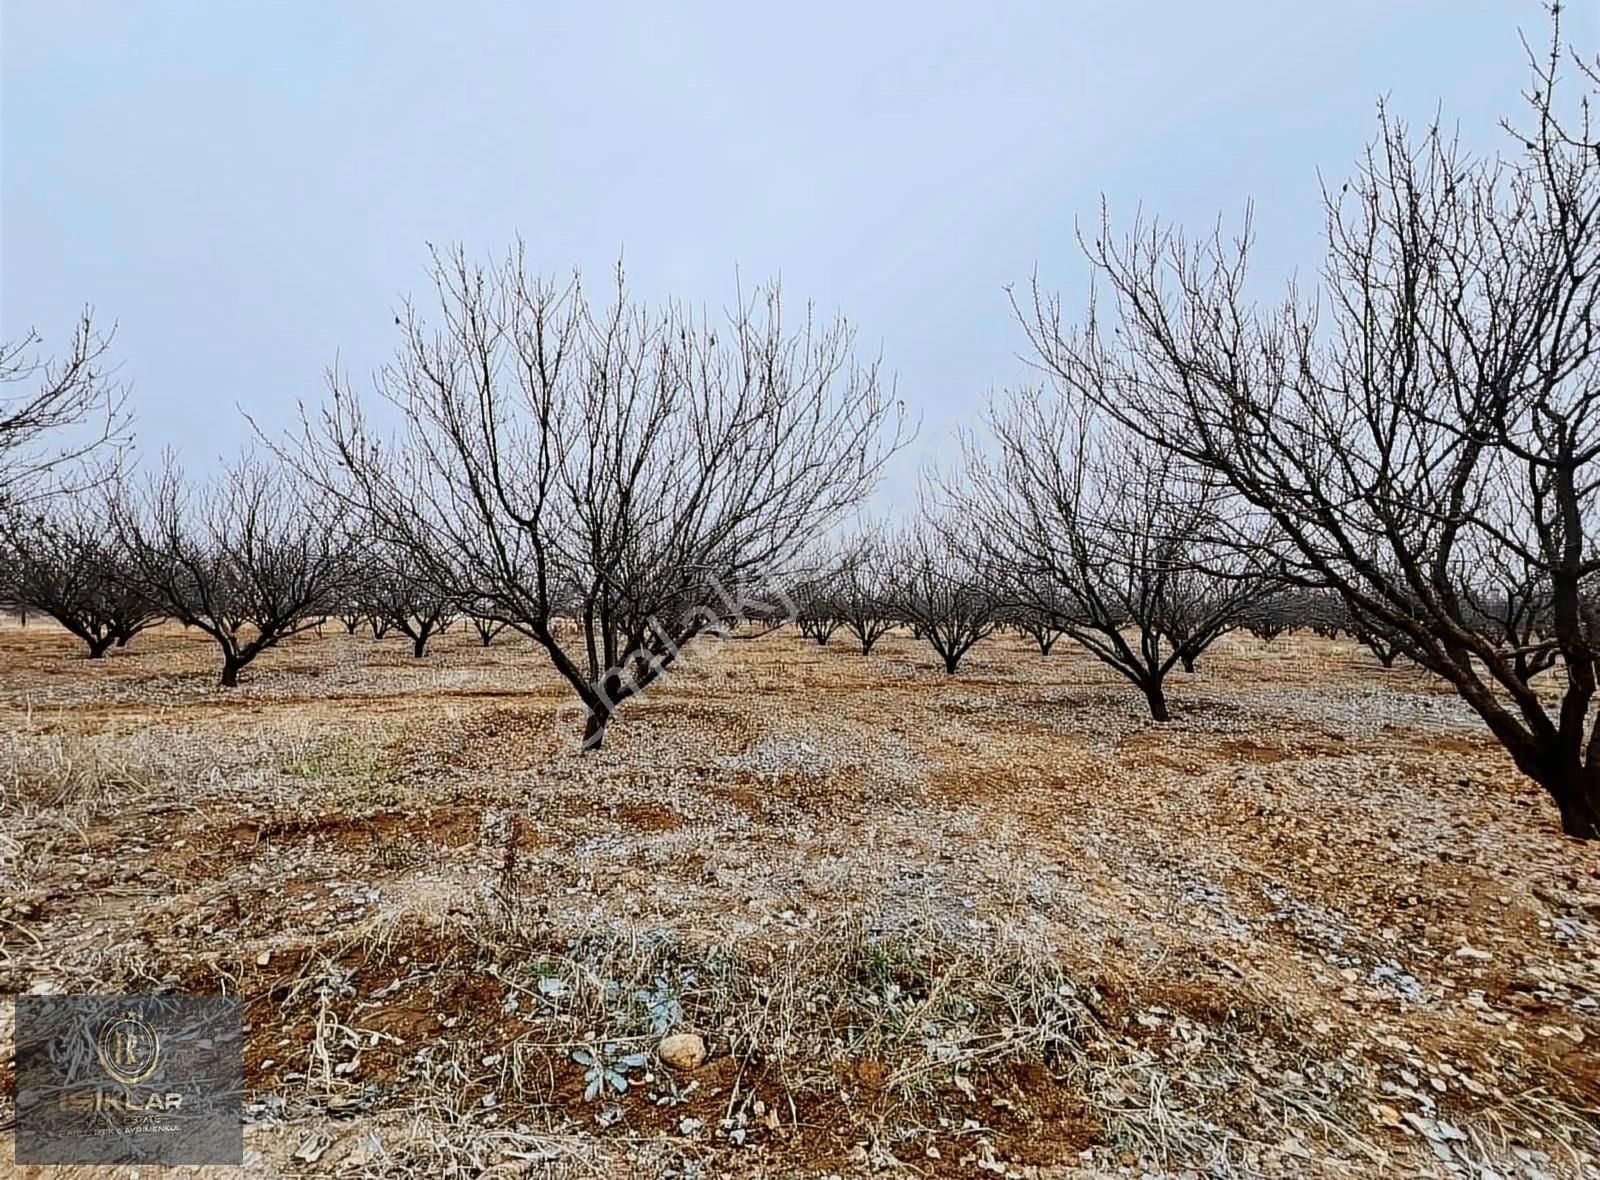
{"x": 994, "y": 924}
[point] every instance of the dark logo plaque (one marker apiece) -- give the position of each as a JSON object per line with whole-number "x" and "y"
{"x": 129, "y": 1080}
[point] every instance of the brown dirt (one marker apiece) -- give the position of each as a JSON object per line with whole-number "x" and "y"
{"x": 1318, "y": 911}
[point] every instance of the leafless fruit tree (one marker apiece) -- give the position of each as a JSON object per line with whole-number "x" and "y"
{"x": 1265, "y": 625}
{"x": 250, "y": 558}
{"x": 1381, "y": 641}
{"x": 938, "y": 586}
{"x": 816, "y": 596}
{"x": 637, "y": 471}
{"x": 486, "y": 627}
{"x": 1297, "y": 608}
{"x": 64, "y": 560}
{"x": 54, "y": 412}
{"x": 406, "y": 594}
{"x": 864, "y": 584}
{"x": 1115, "y": 540}
{"x": 1426, "y": 434}
{"x": 353, "y": 604}
{"x": 1039, "y": 626}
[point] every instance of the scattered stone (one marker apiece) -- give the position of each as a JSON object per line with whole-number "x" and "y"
{"x": 682, "y": 1051}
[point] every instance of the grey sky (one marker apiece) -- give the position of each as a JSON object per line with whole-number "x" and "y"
{"x": 247, "y": 187}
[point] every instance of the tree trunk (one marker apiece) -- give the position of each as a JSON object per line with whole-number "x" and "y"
{"x": 230, "y": 672}
{"x": 1157, "y": 700}
{"x": 594, "y": 730}
{"x": 1580, "y": 813}
{"x": 1188, "y": 666}
{"x": 97, "y": 647}
{"x": 1576, "y": 791}
{"x": 419, "y": 646}
{"x": 950, "y": 662}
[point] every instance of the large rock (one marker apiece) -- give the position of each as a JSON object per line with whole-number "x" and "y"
{"x": 682, "y": 1051}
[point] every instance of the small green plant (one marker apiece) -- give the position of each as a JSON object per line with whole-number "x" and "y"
{"x": 603, "y": 1067}
{"x": 349, "y": 773}
{"x": 892, "y": 970}
{"x": 661, "y": 1006}
{"x": 548, "y": 981}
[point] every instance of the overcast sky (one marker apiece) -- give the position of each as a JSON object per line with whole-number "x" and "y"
{"x": 247, "y": 188}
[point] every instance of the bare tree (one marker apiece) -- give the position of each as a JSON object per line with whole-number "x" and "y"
{"x": 1042, "y": 627}
{"x": 637, "y": 471}
{"x": 1266, "y": 624}
{"x": 864, "y": 589}
{"x": 65, "y": 561}
{"x": 486, "y": 626}
{"x": 1381, "y": 641}
{"x": 249, "y": 558}
{"x": 353, "y": 605}
{"x": 1207, "y": 596}
{"x": 1426, "y": 436}
{"x": 54, "y": 412}
{"x": 406, "y": 594}
{"x": 816, "y": 596}
{"x": 1112, "y": 539}
{"x": 1299, "y": 608}
{"x": 938, "y": 587}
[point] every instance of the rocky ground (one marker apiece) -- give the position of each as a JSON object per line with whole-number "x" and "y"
{"x": 991, "y": 924}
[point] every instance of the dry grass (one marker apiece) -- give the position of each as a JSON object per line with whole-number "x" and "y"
{"x": 995, "y": 924}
